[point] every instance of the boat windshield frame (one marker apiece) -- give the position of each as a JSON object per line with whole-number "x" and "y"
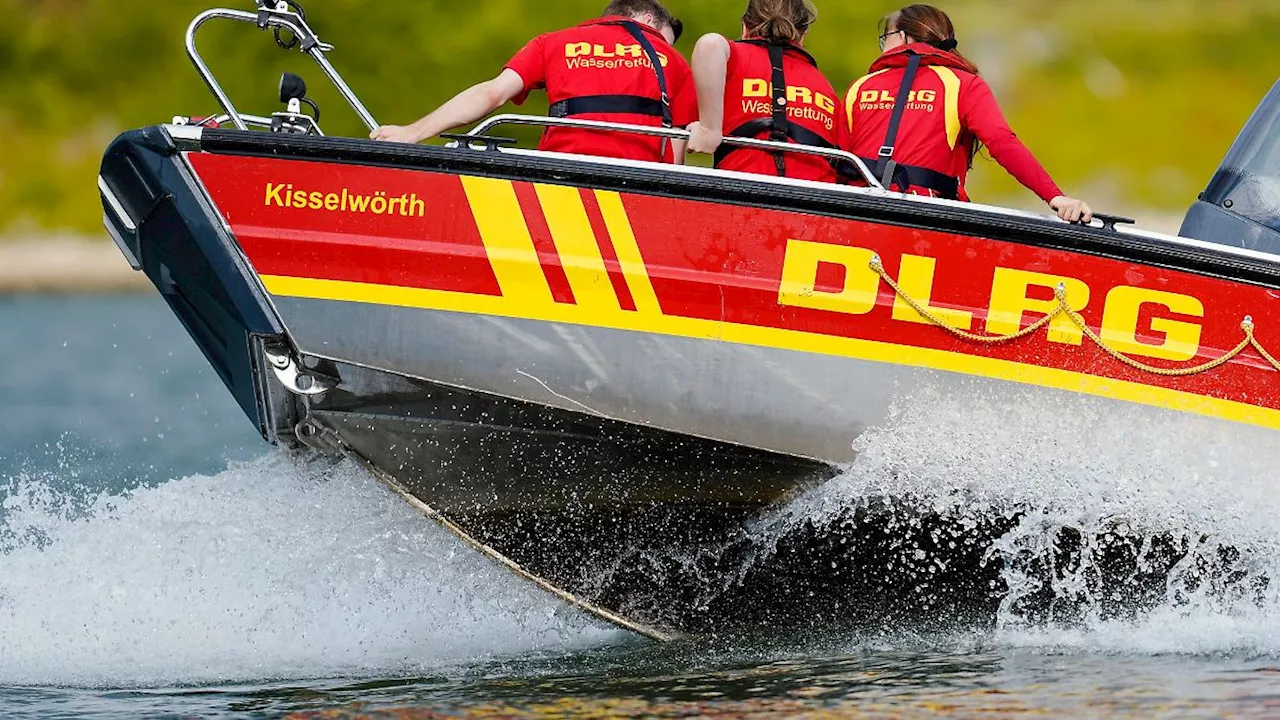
{"x": 277, "y": 17}
{"x": 1247, "y": 183}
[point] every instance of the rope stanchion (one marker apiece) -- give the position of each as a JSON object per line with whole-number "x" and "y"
{"x": 1079, "y": 321}
{"x": 1253, "y": 340}
{"x": 1060, "y": 294}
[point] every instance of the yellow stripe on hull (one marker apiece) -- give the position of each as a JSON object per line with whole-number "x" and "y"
{"x": 867, "y": 350}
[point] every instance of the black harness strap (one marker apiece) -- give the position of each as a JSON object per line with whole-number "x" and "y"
{"x": 633, "y": 104}
{"x": 905, "y": 176}
{"x": 754, "y": 128}
{"x": 778, "y": 125}
{"x": 637, "y": 32}
{"x": 886, "y": 165}
{"x": 781, "y": 124}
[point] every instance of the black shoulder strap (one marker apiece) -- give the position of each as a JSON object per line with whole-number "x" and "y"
{"x": 895, "y": 120}
{"x": 634, "y": 28}
{"x": 781, "y": 128}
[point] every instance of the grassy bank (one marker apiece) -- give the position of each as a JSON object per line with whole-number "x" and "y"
{"x": 1127, "y": 102}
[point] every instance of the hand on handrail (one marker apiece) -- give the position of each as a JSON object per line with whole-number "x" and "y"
{"x": 395, "y": 133}
{"x": 1072, "y": 210}
{"x": 703, "y": 139}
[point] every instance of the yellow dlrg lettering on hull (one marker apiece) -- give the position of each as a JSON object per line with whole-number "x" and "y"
{"x": 1009, "y": 303}
{"x": 800, "y": 278}
{"x": 1120, "y": 323}
{"x": 916, "y": 280}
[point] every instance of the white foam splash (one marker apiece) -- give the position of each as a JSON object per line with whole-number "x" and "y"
{"x": 1094, "y": 467}
{"x": 269, "y": 570}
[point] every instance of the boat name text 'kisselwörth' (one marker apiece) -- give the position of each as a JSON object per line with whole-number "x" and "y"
{"x": 377, "y": 203}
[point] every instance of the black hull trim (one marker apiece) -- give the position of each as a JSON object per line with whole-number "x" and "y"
{"x": 164, "y": 221}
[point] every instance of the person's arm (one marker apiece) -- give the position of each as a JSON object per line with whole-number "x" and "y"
{"x": 710, "y": 65}
{"x": 466, "y": 107}
{"x": 679, "y": 149}
{"x": 980, "y": 113}
{"x": 684, "y": 103}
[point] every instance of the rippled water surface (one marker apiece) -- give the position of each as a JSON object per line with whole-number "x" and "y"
{"x": 156, "y": 559}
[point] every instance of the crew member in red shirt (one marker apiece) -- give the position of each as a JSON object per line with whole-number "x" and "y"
{"x": 766, "y": 86}
{"x": 618, "y": 68}
{"x": 944, "y": 112}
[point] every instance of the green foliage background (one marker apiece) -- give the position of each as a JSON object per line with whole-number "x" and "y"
{"x": 1129, "y": 103}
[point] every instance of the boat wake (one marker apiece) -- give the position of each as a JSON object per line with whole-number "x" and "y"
{"x": 1054, "y": 520}
{"x": 269, "y": 570}
{"x": 984, "y": 515}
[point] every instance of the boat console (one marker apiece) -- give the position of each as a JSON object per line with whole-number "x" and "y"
{"x": 1241, "y": 205}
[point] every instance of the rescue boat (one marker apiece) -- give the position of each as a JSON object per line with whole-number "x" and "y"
{"x": 589, "y": 368}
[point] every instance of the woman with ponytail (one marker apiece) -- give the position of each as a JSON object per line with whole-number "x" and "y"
{"x": 945, "y": 111}
{"x": 766, "y": 86}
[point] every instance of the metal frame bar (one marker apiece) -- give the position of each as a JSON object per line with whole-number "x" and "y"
{"x": 251, "y": 120}
{"x": 676, "y": 134}
{"x": 267, "y": 18}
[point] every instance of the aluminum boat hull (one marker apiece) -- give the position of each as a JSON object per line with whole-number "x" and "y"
{"x": 600, "y": 371}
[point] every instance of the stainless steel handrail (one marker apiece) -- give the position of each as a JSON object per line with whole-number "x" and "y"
{"x": 251, "y": 120}
{"x": 218, "y": 120}
{"x": 676, "y": 134}
{"x": 286, "y": 20}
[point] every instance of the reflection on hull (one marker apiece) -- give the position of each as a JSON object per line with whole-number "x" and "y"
{"x": 586, "y": 503}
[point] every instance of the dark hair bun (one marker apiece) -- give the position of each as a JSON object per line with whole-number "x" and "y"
{"x": 947, "y": 45}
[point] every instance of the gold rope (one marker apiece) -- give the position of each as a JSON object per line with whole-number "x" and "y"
{"x": 1060, "y": 293}
{"x": 1032, "y": 329}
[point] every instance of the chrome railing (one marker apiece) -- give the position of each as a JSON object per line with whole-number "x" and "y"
{"x": 278, "y": 16}
{"x": 676, "y": 134}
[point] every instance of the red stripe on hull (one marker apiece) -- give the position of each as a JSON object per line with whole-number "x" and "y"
{"x": 725, "y": 263}
{"x": 544, "y": 243}
{"x": 607, "y": 251}
{"x": 435, "y": 245}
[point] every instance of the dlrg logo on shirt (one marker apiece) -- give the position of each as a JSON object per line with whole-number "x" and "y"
{"x": 593, "y": 55}
{"x": 753, "y": 88}
{"x": 884, "y": 100}
{"x": 757, "y": 99}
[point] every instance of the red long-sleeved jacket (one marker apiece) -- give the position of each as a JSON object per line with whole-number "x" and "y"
{"x": 949, "y": 108}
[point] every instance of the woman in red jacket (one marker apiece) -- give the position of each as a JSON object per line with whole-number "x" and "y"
{"x": 922, "y": 114}
{"x": 766, "y": 86}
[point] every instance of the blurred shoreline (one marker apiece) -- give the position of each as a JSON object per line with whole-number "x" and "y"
{"x": 65, "y": 264}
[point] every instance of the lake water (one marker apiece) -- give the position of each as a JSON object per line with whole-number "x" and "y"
{"x": 158, "y": 560}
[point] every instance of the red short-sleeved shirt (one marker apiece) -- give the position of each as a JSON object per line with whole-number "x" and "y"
{"x": 812, "y": 104}
{"x": 601, "y": 58}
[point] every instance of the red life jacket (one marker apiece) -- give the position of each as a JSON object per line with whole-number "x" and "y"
{"x": 946, "y": 109}
{"x": 602, "y": 70}
{"x": 778, "y": 93}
